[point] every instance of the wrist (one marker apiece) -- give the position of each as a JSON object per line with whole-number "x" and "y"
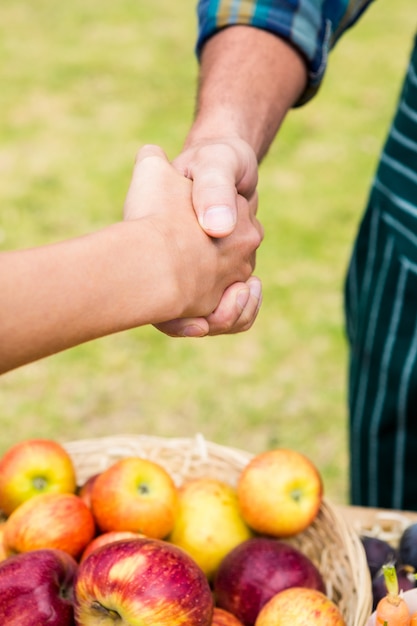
{"x": 248, "y": 96}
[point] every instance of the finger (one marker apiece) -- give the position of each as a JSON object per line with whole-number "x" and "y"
{"x": 185, "y": 327}
{"x": 235, "y": 313}
{"x": 237, "y": 309}
{"x": 219, "y": 172}
{"x": 215, "y": 202}
{"x": 150, "y": 150}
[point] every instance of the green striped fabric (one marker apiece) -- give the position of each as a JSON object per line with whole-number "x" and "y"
{"x": 381, "y": 319}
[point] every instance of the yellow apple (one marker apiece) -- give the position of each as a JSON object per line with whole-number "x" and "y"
{"x": 280, "y": 492}
{"x": 299, "y": 606}
{"x": 32, "y": 467}
{"x": 208, "y": 524}
{"x": 135, "y": 494}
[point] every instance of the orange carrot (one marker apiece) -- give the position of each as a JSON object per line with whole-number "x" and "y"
{"x": 392, "y": 609}
{"x": 413, "y": 621}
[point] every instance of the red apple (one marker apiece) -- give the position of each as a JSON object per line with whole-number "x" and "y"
{"x": 51, "y": 520}
{"x": 135, "y": 494}
{"x": 300, "y": 607}
{"x": 224, "y": 618}
{"x": 256, "y": 570}
{"x": 104, "y": 538}
{"x": 142, "y": 582}
{"x": 33, "y": 467}
{"x": 280, "y": 492}
{"x": 36, "y": 589}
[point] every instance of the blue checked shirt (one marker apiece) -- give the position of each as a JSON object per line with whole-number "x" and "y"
{"x": 312, "y": 26}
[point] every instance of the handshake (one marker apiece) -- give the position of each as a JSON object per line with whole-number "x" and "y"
{"x": 168, "y": 263}
{"x": 205, "y": 261}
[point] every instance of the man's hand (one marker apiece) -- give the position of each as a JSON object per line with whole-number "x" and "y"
{"x": 220, "y": 169}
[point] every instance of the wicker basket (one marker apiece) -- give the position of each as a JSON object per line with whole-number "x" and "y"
{"x": 330, "y": 542}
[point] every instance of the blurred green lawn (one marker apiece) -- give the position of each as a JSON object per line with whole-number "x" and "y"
{"x": 83, "y": 86}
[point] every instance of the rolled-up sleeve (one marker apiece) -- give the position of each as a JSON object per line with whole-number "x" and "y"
{"x": 311, "y": 26}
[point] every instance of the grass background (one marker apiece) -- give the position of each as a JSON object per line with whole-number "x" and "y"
{"x": 83, "y": 86}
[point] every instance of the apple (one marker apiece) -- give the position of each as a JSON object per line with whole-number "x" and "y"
{"x": 299, "y": 606}
{"x": 224, "y": 618}
{"x": 32, "y": 467}
{"x": 84, "y": 491}
{"x": 3, "y": 554}
{"x": 208, "y": 523}
{"x": 141, "y": 582}
{"x": 135, "y": 494}
{"x": 256, "y": 570}
{"x": 50, "y": 520}
{"x": 104, "y": 538}
{"x": 280, "y": 492}
{"x": 36, "y": 589}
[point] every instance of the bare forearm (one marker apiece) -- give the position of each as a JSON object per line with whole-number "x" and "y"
{"x": 55, "y": 297}
{"x": 249, "y": 79}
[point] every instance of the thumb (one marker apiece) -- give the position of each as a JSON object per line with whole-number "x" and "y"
{"x": 215, "y": 203}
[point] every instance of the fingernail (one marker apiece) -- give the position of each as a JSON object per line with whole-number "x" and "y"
{"x": 218, "y": 218}
{"x": 193, "y": 331}
{"x": 242, "y": 298}
{"x": 256, "y": 289}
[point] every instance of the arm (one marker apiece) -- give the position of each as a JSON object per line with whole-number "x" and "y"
{"x": 242, "y": 100}
{"x": 156, "y": 265}
{"x": 240, "y": 109}
{"x": 258, "y": 59}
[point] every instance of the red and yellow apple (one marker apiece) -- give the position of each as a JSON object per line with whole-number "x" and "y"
{"x": 141, "y": 582}
{"x": 299, "y": 606}
{"x": 221, "y": 617}
{"x": 208, "y": 523}
{"x": 50, "y": 520}
{"x": 84, "y": 491}
{"x": 280, "y": 492}
{"x": 32, "y": 467}
{"x": 105, "y": 538}
{"x": 135, "y": 494}
{"x": 36, "y": 589}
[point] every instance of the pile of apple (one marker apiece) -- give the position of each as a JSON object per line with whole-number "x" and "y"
{"x": 130, "y": 547}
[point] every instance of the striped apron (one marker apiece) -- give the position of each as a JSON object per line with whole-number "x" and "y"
{"x": 381, "y": 322}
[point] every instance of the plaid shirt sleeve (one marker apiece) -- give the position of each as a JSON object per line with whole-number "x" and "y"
{"x": 312, "y": 26}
